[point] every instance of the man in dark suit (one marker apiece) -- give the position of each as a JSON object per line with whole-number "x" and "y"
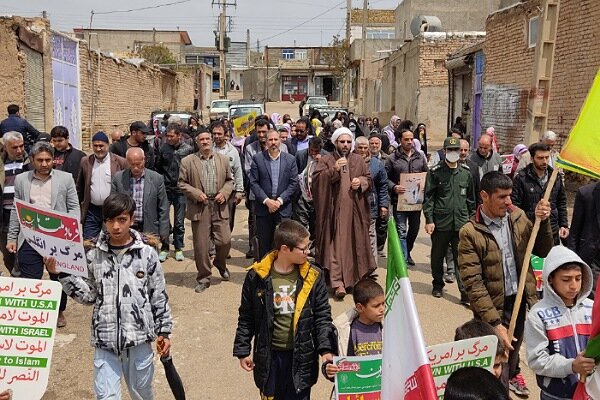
{"x": 303, "y": 134}
{"x": 585, "y": 228}
{"x": 273, "y": 180}
{"x": 148, "y": 190}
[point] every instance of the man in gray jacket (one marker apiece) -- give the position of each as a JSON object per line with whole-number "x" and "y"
{"x": 47, "y": 188}
{"x": 148, "y": 191}
{"x": 485, "y": 157}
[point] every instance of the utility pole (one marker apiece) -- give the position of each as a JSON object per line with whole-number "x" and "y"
{"x": 247, "y": 47}
{"x": 346, "y": 81}
{"x": 538, "y": 105}
{"x": 363, "y": 56}
{"x": 223, "y": 4}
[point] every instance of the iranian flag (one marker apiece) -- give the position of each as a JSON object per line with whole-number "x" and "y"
{"x": 578, "y": 155}
{"x": 589, "y": 387}
{"x": 406, "y": 373}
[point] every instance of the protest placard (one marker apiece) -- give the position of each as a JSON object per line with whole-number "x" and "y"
{"x": 507, "y": 163}
{"x": 54, "y": 234}
{"x": 359, "y": 378}
{"x": 412, "y": 198}
{"x": 537, "y": 264}
{"x": 244, "y": 124}
{"x": 28, "y": 314}
{"x": 446, "y": 358}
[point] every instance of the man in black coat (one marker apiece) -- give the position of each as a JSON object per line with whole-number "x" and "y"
{"x": 137, "y": 138}
{"x": 584, "y": 237}
{"x": 529, "y": 186}
{"x": 15, "y": 123}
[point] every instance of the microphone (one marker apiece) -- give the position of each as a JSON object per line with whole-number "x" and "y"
{"x": 344, "y": 167}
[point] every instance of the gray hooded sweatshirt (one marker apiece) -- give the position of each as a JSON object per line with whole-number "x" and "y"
{"x": 555, "y": 333}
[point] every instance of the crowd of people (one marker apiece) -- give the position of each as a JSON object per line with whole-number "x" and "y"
{"x": 319, "y": 192}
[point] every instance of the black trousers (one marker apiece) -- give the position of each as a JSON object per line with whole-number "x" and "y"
{"x": 265, "y": 230}
{"x": 280, "y": 383}
{"x": 511, "y": 368}
{"x": 304, "y": 212}
{"x": 440, "y": 240}
{"x": 31, "y": 266}
{"x": 381, "y": 232}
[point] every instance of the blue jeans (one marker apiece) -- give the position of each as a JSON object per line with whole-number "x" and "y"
{"x": 92, "y": 224}
{"x": 177, "y": 200}
{"x": 407, "y": 224}
{"x": 135, "y": 364}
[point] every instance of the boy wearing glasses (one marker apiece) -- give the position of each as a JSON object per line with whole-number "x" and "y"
{"x": 284, "y": 307}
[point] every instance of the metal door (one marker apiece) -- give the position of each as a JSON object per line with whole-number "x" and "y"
{"x": 478, "y": 100}
{"x": 65, "y": 79}
{"x": 34, "y": 88}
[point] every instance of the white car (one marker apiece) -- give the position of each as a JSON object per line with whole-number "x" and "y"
{"x": 311, "y": 102}
{"x": 219, "y": 109}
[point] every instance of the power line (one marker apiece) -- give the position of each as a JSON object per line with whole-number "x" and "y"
{"x": 141, "y": 8}
{"x": 303, "y": 22}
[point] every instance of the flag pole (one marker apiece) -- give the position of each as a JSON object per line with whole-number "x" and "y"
{"x": 526, "y": 259}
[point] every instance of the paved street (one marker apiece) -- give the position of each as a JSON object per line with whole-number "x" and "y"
{"x": 205, "y": 326}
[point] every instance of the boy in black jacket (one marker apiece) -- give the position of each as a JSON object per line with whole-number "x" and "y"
{"x": 285, "y": 308}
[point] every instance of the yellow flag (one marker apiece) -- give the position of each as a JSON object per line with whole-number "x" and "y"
{"x": 580, "y": 154}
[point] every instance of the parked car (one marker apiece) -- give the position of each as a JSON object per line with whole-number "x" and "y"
{"x": 162, "y": 123}
{"x": 313, "y": 101}
{"x": 219, "y": 109}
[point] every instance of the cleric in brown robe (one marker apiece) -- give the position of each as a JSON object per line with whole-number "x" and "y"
{"x": 340, "y": 184}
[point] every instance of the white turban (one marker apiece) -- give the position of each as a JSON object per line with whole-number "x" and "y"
{"x": 341, "y": 131}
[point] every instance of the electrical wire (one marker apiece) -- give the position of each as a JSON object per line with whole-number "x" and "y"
{"x": 141, "y": 8}
{"x": 302, "y": 23}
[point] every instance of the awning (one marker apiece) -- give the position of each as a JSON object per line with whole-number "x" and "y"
{"x": 323, "y": 73}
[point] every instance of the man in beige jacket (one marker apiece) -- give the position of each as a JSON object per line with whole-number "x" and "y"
{"x": 205, "y": 179}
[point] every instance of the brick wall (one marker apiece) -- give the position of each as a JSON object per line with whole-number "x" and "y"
{"x": 509, "y": 65}
{"x": 14, "y": 62}
{"x": 507, "y": 77}
{"x": 432, "y": 100}
{"x": 576, "y": 62}
{"x": 115, "y": 93}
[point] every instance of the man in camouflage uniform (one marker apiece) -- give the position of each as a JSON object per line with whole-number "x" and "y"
{"x": 449, "y": 203}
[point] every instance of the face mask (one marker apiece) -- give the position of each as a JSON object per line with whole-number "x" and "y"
{"x": 452, "y": 156}
{"x": 352, "y": 127}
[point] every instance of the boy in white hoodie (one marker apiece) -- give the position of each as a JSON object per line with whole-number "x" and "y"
{"x": 558, "y": 327}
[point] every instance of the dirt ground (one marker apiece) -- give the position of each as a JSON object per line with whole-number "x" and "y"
{"x": 204, "y": 325}
{"x": 204, "y": 328}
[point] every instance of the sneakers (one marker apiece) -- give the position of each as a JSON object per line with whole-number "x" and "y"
{"x": 518, "y": 386}
{"x": 201, "y": 287}
{"x": 179, "y": 255}
{"x": 225, "y": 275}
{"x": 437, "y": 293}
{"x": 448, "y": 278}
{"x": 162, "y": 256}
